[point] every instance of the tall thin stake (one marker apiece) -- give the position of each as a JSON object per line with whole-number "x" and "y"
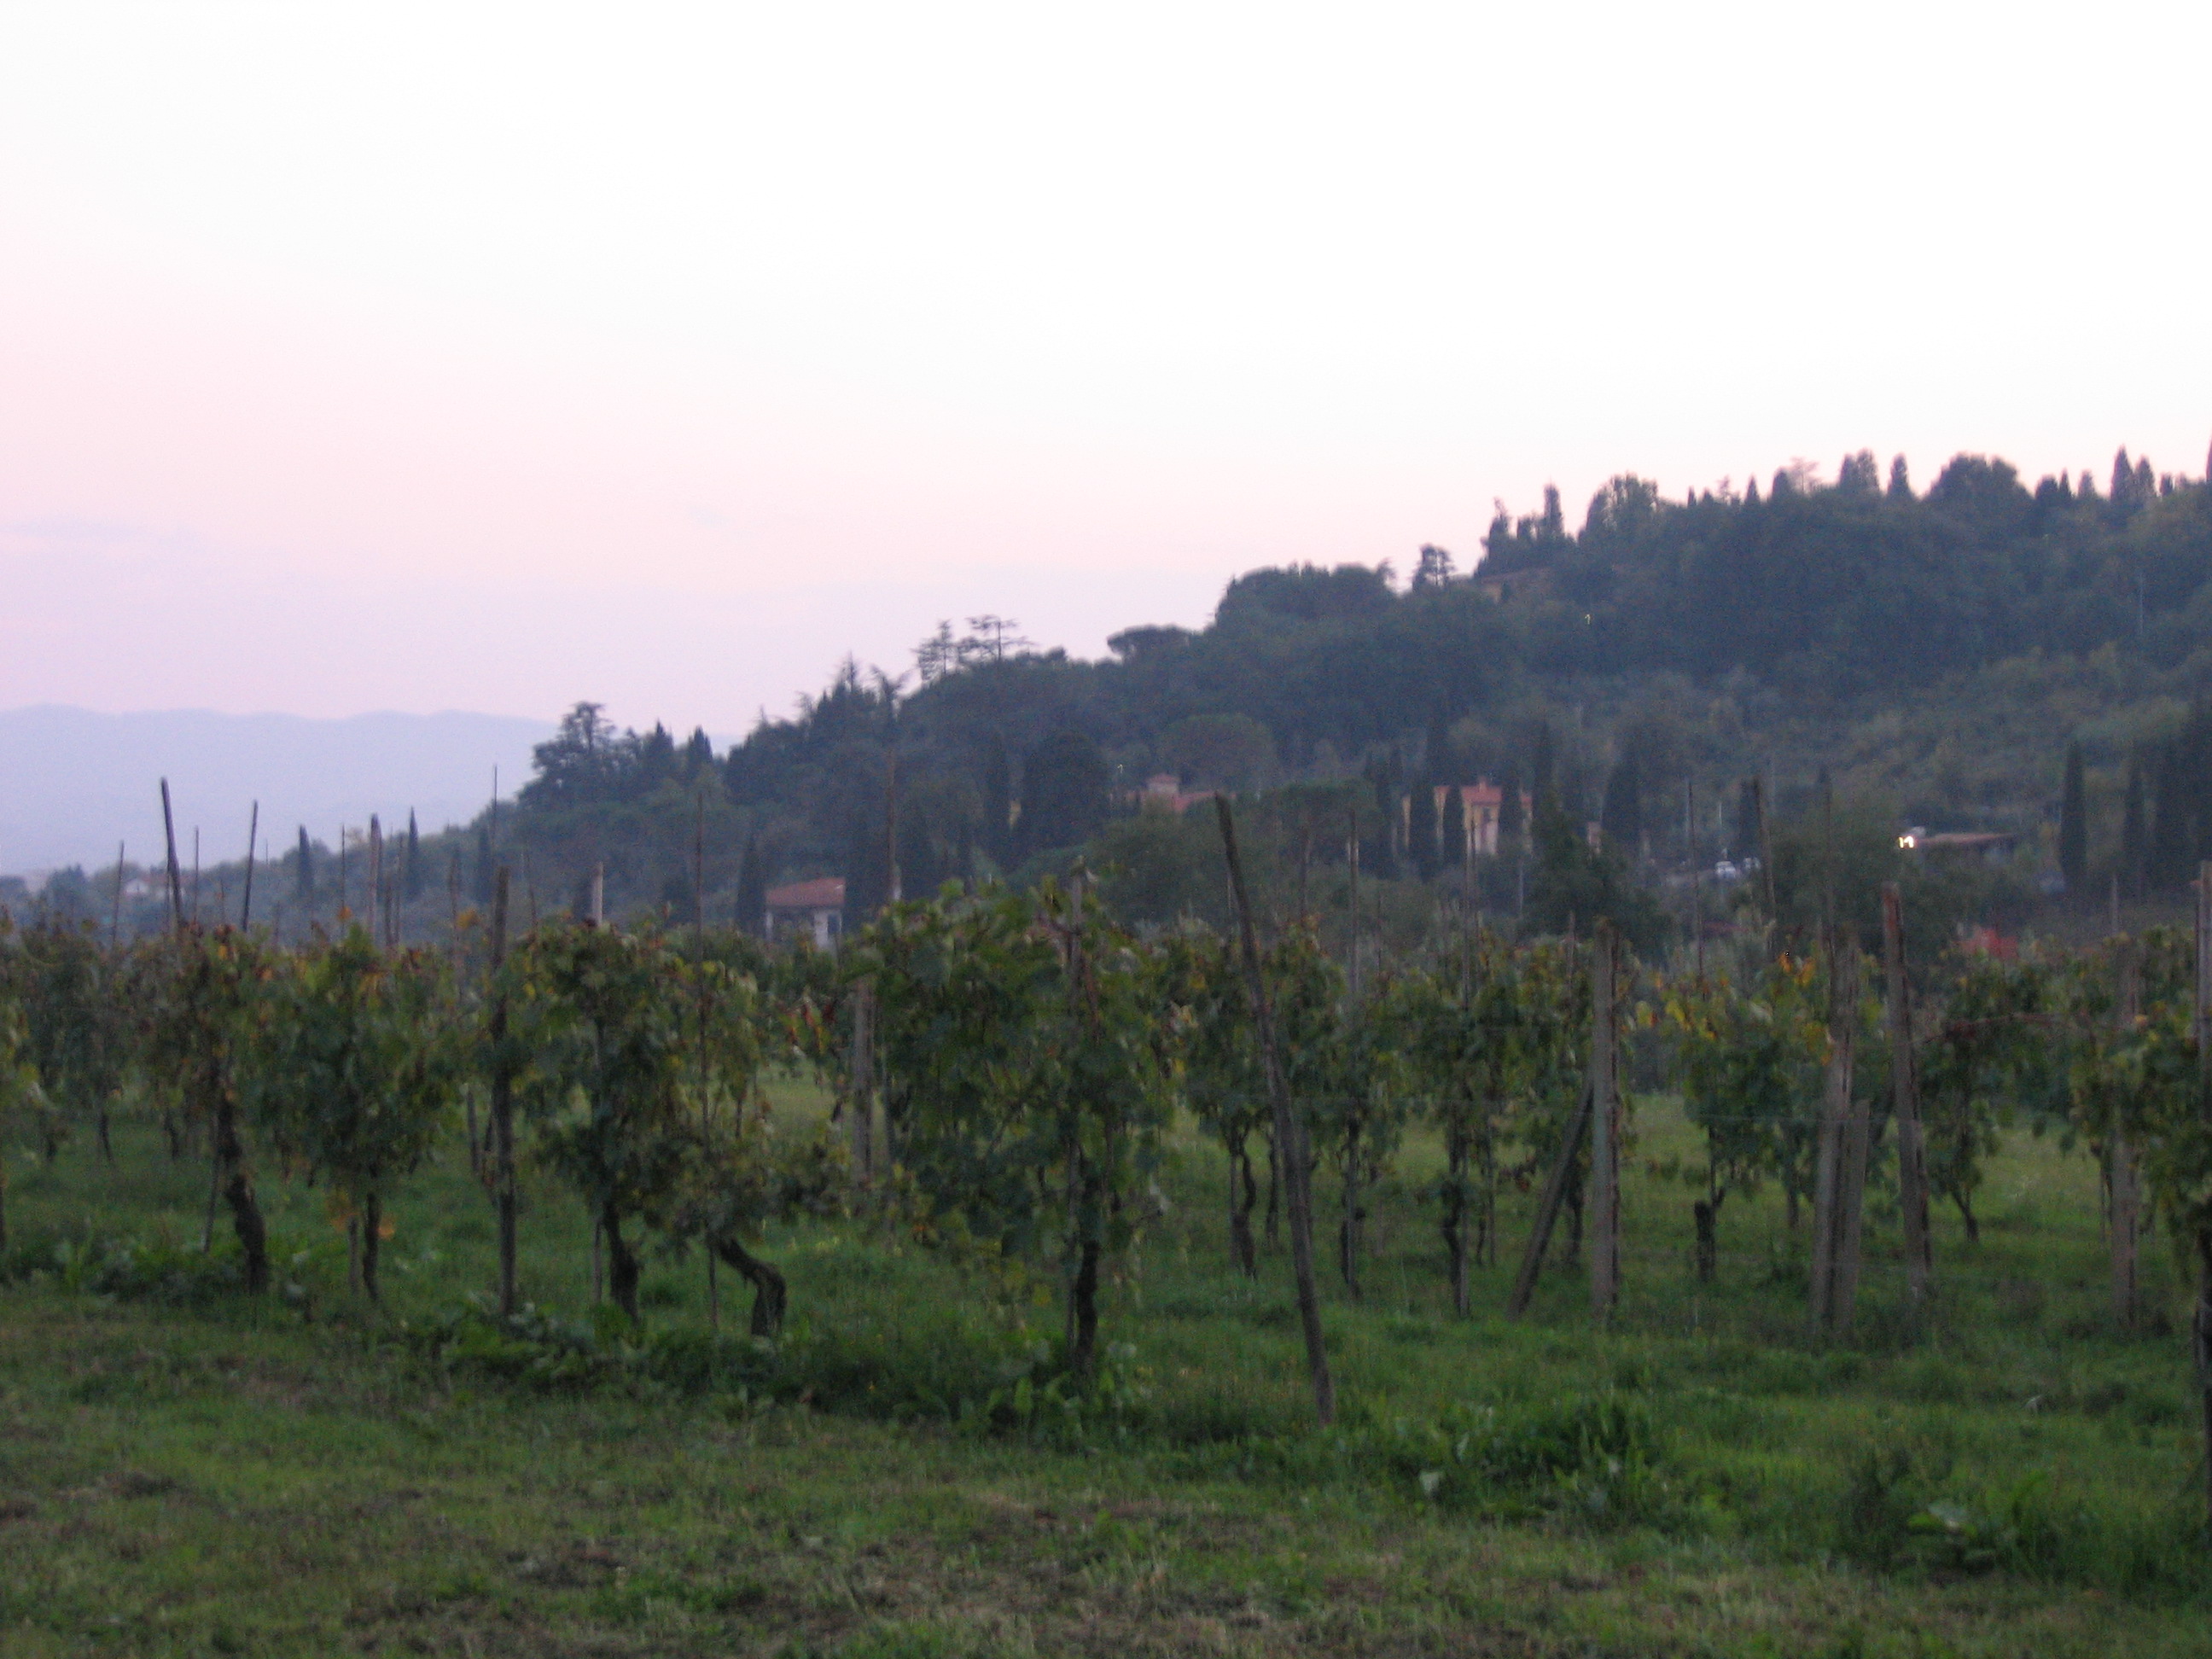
{"x": 502, "y": 1096}
{"x": 2201, "y": 1326}
{"x": 1605, "y": 1121}
{"x": 1840, "y": 1178}
{"x": 176, "y": 879}
{"x": 1905, "y": 1103}
{"x": 375, "y": 905}
{"x": 1292, "y": 1155}
{"x": 1351, "y": 862}
{"x": 699, "y": 876}
{"x": 861, "y": 1101}
{"x": 252, "y": 835}
{"x": 2125, "y": 1179}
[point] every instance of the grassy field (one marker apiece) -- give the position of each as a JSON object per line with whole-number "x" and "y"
{"x": 182, "y": 1472}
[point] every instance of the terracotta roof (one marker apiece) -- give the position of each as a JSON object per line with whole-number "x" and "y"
{"x": 823, "y": 893}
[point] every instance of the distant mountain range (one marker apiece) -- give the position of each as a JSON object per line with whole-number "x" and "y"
{"x": 74, "y": 782}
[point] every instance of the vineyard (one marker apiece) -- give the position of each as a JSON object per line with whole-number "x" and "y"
{"x": 1889, "y": 1279}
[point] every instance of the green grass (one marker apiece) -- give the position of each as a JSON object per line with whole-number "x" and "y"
{"x": 182, "y": 1472}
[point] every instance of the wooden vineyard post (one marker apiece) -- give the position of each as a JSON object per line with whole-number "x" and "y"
{"x": 1766, "y": 861}
{"x": 1840, "y": 1182}
{"x": 252, "y": 834}
{"x": 2201, "y": 1325}
{"x": 502, "y": 1098}
{"x": 1605, "y": 1121}
{"x": 1296, "y": 1168}
{"x": 1905, "y": 1103}
{"x": 374, "y": 908}
{"x": 1352, "y": 868}
{"x": 861, "y": 1103}
{"x": 2125, "y": 1179}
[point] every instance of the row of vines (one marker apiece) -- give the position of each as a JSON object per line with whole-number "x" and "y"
{"x": 1008, "y": 1068}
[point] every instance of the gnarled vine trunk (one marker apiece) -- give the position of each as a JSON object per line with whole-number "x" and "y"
{"x": 1350, "y": 1238}
{"x": 371, "y": 1230}
{"x": 1082, "y": 1313}
{"x": 623, "y": 1264}
{"x": 1243, "y": 1195}
{"x": 246, "y": 1219}
{"x": 1456, "y": 1216}
{"x": 770, "y": 1293}
{"x": 1707, "y": 1212}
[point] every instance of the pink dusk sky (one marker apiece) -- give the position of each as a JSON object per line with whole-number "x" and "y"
{"x": 413, "y": 358}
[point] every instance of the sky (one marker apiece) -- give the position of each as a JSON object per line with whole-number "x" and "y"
{"x": 426, "y": 357}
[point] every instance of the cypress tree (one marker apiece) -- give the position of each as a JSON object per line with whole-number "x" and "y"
{"x": 2181, "y": 828}
{"x": 307, "y": 868}
{"x": 1747, "y": 821}
{"x": 752, "y": 889}
{"x": 1542, "y": 782}
{"x": 1621, "y": 818}
{"x": 411, "y": 875}
{"x": 2135, "y": 839}
{"x": 2073, "y": 825}
{"x": 1451, "y": 836}
{"x": 1421, "y": 825}
{"x": 1383, "y": 775}
{"x": 997, "y": 804}
{"x": 1512, "y": 821}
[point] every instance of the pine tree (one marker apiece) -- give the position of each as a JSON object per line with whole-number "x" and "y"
{"x": 2073, "y": 825}
{"x": 1900, "y": 480}
{"x": 698, "y": 754}
{"x": 1554, "y": 526}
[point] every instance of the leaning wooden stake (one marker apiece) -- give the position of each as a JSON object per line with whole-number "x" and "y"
{"x": 1296, "y": 1166}
{"x": 1548, "y": 1207}
{"x": 503, "y": 1097}
{"x": 176, "y": 878}
{"x": 1605, "y": 1121}
{"x": 1905, "y": 1102}
{"x": 1840, "y": 1180}
{"x": 2124, "y": 1177}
